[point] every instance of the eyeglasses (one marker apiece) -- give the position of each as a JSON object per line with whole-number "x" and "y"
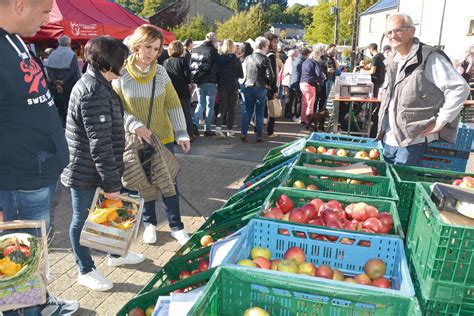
{"x": 397, "y": 31}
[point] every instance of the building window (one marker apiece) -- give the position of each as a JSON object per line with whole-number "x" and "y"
{"x": 371, "y": 21}
{"x": 470, "y": 29}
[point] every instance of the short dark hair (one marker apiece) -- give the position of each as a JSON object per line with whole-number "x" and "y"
{"x": 373, "y": 46}
{"x": 175, "y": 49}
{"x": 305, "y": 51}
{"x": 270, "y": 36}
{"x": 387, "y": 47}
{"x": 332, "y": 45}
{"x": 105, "y": 53}
{"x": 187, "y": 42}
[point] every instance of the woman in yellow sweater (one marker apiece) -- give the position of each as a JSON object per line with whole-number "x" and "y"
{"x": 135, "y": 87}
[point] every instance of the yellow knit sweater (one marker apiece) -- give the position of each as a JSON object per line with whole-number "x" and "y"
{"x": 135, "y": 88}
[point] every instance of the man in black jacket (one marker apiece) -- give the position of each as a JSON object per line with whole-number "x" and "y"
{"x": 34, "y": 150}
{"x": 204, "y": 61}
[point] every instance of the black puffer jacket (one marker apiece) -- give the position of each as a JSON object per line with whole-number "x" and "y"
{"x": 229, "y": 72}
{"x": 204, "y": 60}
{"x": 95, "y": 135}
{"x": 258, "y": 70}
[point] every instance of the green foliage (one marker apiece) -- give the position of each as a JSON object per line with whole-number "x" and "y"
{"x": 134, "y": 6}
{"x": 275, "y": 13}
{"x": 298, "y": 14}
{"x": 322, "y": 27}
{"x": 244, "y": 25}
{"x": 150, "y": 7}
{"x": 231, "y": 4}
{"x": 195, "y": 28}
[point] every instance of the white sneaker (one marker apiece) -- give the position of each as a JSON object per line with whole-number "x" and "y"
{"x": 265, "y": 121}
{"x": 230, "y": 133}
{"x": 149, "y": 235}
{"x": 181, "y": 236}
{"x": 219, "y": 132}
{"x": 130, "y": 258}
{"x": 94, "y": 280}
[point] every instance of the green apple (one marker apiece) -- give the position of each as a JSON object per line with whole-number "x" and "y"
{"x": 287, "y": 266}
{"x": 247, "y": 263}
{"x": 260, "y": 252}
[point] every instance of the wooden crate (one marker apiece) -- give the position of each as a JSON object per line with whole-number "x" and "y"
{"x": 110, "y": 239}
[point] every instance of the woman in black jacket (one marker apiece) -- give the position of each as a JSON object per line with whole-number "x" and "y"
{"x": 179, "y": 72}
{"x": 228, "y": 76}
{"x": 96, "y": 141}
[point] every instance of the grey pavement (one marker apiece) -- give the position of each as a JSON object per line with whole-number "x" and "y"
{"x": 210, "y": 174}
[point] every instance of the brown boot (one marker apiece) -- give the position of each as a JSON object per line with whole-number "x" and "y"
{"x": 323, "y": 115}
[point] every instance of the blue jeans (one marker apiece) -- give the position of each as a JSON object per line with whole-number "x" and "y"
{"x": 206, "y": 97}
{"x": 27, "y": 205}
{"x": 170, "y": 207}
{"x": 409, "y": 155}
{"x": 81, "y": 202}
{"x": 255, "y": 100}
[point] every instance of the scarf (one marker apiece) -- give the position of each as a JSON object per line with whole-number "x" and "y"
{"x": 136, "y": 73}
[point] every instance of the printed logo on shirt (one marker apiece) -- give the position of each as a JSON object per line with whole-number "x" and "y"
{"x": 33, "y": 74}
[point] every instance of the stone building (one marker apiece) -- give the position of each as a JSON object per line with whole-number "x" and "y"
{"x": 180, "y": 10}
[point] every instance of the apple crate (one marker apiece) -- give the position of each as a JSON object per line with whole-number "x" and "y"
{"x": 107, "y": 238}
{"x": 444, "y": 162}
{"x": 307, "y": 158}
{"x": 285, "y": 150}
{"x": 148, "y": 299}
{"x": 170, "y": 272}
{"x": 268, "y": 167}
{"x": 442, "y": 254}
{"x": 350, "y": 259}
{"x": 368, "y": 143}
{"x": 217, "y": 232}
{"x": 232, "y": 290}
{"x": 327, "y": 181}
{"x": 350, "y": 149}
{"x": 463, "y": 142}
{"x": 301, "y": 197}
{"x": 261, "y": 187}
{"x": 406, "y": 177}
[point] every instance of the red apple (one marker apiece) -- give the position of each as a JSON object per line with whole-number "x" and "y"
{"x": 457, "y": 182}
{"x": 329, "y": 215}
{"x": 284, "y": 203}
{"x": 331, "y": 152}
{"x": 335, "y": 204}
{"x": 195, "y": 272}
{"x": 349, "y": 208}
{"x": 310, "y": 211}
{"x": 312, "y": 187}
{"x": 184, "y": 274}
{"x": 283, "y": 231}
{"x": 381, "y": 282}
{"x": 307, "y": 268}
{"x": 136, "y": 311}
{"x": 317, "y": 203}
{"x": 288, "y": 266}
{"x": 322, "y": 150}
{"x": 347, "y": 241}
{"x": 374, "y": 154}
{"x": 311, "y": 149}
{"x": 272, "y": 215}
{"x": 375, "y": 268}
{"x": 203, "y": 265}
{"x": 363, "y": 279}
{"x": 276, "y": 211}
{"x": 324, "y": 271}
{"x": 316, "y": 222}
{"x": 351, "y": 225}
{"x": 296, "y": 254}
{"x": 373, "y": 224}
{"x": 387, "y": 220}
{"x": 263, "y": 263}
{"x": 274, "y": 264}
{"x": 372, "y": 211}
{"x": 359, "y": 212}
{"x": 298, "y": 215}
{"x": 350, "y": 280}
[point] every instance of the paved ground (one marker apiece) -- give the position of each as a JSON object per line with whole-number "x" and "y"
{"x": 209, "y": 175}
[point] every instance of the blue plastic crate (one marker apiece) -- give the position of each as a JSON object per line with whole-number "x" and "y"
{"x": 463, "y": 140}
{"x": 350, "y": 259}
{"x": 346, "y": 139}
{"x": 443, "y": 162}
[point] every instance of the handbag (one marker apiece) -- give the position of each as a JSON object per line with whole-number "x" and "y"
{"x": 274, "y": 108}
{"x": 146, "y": 153}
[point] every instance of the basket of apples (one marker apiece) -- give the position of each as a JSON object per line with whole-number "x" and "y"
{"x": 342, "y": 150}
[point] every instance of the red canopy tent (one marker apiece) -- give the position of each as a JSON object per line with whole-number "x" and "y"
{"x": 82, "y": 20}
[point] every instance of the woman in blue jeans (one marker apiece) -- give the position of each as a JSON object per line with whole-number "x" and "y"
{"x": 96, "y": 141}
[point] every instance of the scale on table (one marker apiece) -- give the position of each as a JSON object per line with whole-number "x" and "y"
{"x": 355, "y": 85}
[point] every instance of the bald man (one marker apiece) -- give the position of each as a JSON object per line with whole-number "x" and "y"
{"x": 422, "y": 99}
{"x": 32, "y": 142}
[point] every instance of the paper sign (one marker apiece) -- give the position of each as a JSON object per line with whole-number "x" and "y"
{"x": 290, "y": 150}
{"x": 181, "y": 303}
{"x": 221, "y": 249}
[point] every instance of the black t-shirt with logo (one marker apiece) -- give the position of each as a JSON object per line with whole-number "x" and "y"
{"x": 33, "y": 149}
{"x": 378, "y": 76}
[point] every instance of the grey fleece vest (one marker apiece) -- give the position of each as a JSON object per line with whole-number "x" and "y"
{"x": 417, "y": 101}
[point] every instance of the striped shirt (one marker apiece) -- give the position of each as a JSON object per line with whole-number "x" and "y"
{"x": 135, "y": 90}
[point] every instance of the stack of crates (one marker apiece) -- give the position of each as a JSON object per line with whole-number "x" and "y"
{"x": 442, "y": 259}
{"x": 447, "y": 156}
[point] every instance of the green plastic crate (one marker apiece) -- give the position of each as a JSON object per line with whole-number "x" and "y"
{"x": 268, "y": 167}
{"x": 351, "y": 149}
{"x": 370, "y": 186}
{"x": 301, "y": 197}
{"x": 442, "y": 254}
{"x": 438, "y": 308}
{"x": 232, "y": 290}
{"x": 307, "y": 158}
{"x": 223, "y": 216}
{"x": 276, "y": 152}
{"x": 170, "y": 271}
{"x": 145, "y": 300}
{"x": 217, "y": 231}
{"x": 261, "y": 187}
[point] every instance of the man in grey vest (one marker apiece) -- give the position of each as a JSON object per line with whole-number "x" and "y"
{"x": 422, "y": 96}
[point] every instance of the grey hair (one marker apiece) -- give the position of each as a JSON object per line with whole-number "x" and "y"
{"x": 407, "y": 20}
{"x": 260, "y": 43}
{"x": 64, "y": 40}
{"x": 318, "y": 50}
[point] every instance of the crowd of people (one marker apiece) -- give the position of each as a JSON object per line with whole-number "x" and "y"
{"x": 134, "y": 101}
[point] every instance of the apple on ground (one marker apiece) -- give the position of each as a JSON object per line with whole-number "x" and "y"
{"x": 288, "y": 266}
{"x": 299, "y": 184}
{"x": 307, "y": 268}
{"x": 263, "y": 263}
{"x": 260, "y": 252}
{"x": 296, "y": 254}
{"x": 256, "y": 311}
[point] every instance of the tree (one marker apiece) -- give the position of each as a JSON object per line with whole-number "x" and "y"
{"x": 134, "y": 6}
{"x": 231, "y": 4}
{"x": 244, "y": 25}
{"x": 150, "y": 7}
{"x": 195, "y": 28}
{"x": 275, "y": 14}
{"x": 298, "y": 14}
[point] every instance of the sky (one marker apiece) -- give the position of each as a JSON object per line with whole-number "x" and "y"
{"x": 304, "y": 2}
